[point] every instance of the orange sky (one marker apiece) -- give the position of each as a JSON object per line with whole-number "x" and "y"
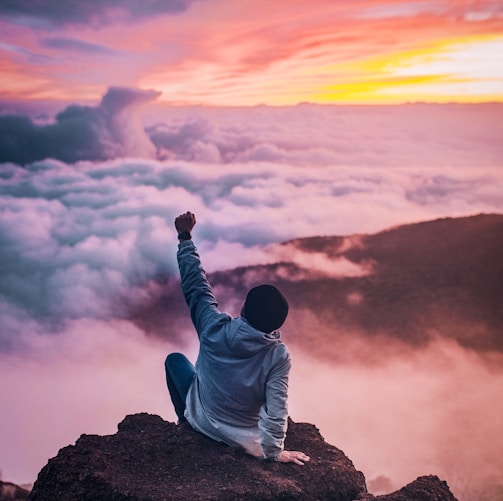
{"x": 223, "y": 52}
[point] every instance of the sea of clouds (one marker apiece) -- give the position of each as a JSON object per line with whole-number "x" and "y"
{"x": 87, "y": 203}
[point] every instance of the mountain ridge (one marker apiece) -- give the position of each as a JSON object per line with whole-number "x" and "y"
{"x": 443, "y": 277}
{"x": 410, "y": 284}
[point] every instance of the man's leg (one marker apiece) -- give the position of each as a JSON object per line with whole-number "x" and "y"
{"x": 179, "y": 375}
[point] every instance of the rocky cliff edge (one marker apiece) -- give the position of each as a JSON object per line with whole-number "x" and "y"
{"x": 151, "y": 459}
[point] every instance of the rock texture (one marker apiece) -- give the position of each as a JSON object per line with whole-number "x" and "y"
{"x": 150, "y": 459}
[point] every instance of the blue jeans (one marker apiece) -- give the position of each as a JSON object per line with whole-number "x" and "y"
{"x": 179, "y": 375}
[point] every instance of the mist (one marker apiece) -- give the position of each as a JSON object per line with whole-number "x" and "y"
{"x": 397, "y": 413}
{"x": 436, "y": 409}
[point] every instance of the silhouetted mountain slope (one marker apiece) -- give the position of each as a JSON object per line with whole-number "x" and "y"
{"x": 441, "y": 278}
{"x": 444, "y": 276}
{"x": 438, "y": 278}
{"x": 12, "y": 492}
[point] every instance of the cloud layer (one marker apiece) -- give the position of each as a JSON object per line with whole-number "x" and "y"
{"x": 126, "y": 123}
{"x": 50, "y": 13}
{"x": 408, "y": 136}
{"x": 87, "y": 241}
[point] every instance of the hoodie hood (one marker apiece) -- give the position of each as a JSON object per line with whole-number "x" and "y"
{"x": 244, "y": 340}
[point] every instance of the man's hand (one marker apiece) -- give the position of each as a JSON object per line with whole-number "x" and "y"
{"x": 185, "y": 222}
{"x": 293, "y": 457}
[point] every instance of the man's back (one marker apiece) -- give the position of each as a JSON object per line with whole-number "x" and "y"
{"x": 234, "y": 367}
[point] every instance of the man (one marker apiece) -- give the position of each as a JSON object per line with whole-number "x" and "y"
{"x": 237, "y": 392}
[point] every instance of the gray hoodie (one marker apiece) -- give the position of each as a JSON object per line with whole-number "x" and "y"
{"x": 239, "y": 393}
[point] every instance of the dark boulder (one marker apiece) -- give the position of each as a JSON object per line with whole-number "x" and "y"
{"x": 151, "y": 459}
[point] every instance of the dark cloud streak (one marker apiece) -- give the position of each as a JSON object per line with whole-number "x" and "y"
{"x": 51, "y": 13}
{"x": 79, "y": 46}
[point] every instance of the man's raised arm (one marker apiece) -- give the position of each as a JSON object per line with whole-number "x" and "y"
{"x": 196, "y": 289}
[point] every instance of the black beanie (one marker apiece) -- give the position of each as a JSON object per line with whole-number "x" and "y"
{"x": 265, "y": 308}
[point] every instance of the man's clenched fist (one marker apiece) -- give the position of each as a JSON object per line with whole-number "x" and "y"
{"x": 185, "y": 222}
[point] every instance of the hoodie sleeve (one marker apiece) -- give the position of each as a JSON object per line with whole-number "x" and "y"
{"x": 273, "y": 419}
{"x": 196, "y": 289}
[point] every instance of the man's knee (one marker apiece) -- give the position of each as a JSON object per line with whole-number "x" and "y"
{"x": 173, "y": 359}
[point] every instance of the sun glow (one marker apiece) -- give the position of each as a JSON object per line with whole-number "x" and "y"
{"x": 463, "y": 70}
{"x": 466, "y": 70}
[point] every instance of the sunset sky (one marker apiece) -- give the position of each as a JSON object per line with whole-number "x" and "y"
{"x": 116, "y": 116}
{"x": 225, "y": 52}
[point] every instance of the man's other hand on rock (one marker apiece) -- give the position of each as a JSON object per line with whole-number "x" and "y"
{"x": 293, "y": 457}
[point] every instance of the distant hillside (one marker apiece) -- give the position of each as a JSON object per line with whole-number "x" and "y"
{"x": 443, "y": 277}
{"x": 410, "y": 283}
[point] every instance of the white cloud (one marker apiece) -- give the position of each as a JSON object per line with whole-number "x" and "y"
{"x": 344, "y": 136}
{"x": 90, "y": 231}
{"x": 319, "y": 263}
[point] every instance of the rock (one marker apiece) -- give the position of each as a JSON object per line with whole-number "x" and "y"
{"x": 427, "y": 488}
{"x": 151, "y": 459}
{"x": 423, "y": 488}
{"x": 12, "y": 492}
